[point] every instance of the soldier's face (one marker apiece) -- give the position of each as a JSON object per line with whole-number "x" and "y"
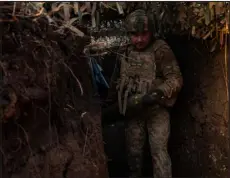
{"x": 141, "y": 40}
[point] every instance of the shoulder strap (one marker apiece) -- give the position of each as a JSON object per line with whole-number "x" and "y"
{"x": 127, "y": 51}
{"x": 158, "y": 44}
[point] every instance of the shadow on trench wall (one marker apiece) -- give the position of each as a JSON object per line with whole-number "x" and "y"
{"x": 185, "y": 164}
{"x": 199, "y": 136}
{"x": 184, "y": 147}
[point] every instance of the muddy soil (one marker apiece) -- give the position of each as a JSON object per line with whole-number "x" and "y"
{"x": 199, "y": 142}
{"x": 45, "y": 153}
{"x": 57, "y": 136}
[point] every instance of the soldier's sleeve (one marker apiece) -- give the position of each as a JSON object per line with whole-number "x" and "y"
{"x": 169, "y": 68}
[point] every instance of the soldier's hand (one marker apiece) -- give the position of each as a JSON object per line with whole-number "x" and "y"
{"x": 148, "y": 99}
{"x": 135, "y": 100}
{"x": 155, "y": 97}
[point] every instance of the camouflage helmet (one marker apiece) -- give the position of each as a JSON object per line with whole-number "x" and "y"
{"x": 137, "y": 21}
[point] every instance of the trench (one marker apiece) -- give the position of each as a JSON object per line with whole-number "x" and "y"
{"x": 198, "y": 145}
{"x": 191, "y": 126}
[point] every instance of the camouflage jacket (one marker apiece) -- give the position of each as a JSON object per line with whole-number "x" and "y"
{"x": 154, "y": 68}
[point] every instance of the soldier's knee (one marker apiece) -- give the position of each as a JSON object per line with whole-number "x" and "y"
{"x": 159, "y": 139}
{"x": 159, "y": 149}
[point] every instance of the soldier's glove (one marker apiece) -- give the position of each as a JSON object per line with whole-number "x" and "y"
{"x": 139, "y": 100}
{"x": 135, "y": 100}
{"x": 154, "y": 98}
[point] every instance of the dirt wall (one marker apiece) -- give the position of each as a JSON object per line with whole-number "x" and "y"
{"x": 199, "y": 142}
{"x": 58, "y": 135}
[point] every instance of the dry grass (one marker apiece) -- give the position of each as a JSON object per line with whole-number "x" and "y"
{"x": 198, "y": 19}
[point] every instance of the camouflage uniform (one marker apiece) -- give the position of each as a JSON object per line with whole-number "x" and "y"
{"x": 154, "y": 68}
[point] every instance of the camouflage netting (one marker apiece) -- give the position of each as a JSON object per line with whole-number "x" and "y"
{"x": 50, "y": 118}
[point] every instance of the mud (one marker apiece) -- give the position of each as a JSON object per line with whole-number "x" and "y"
{"x": 58, "y": 135}
{"x": 199, "y": 142}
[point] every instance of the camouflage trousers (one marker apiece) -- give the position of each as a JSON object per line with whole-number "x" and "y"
{"x": 155, "y": 123}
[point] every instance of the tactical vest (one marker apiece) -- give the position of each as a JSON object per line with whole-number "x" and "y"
{"x": 138, "y": 73}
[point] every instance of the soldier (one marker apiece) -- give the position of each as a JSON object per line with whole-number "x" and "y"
{"x": 150, "y": 78}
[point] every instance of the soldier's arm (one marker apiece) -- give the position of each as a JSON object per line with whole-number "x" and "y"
{"x": 169, "y": 68}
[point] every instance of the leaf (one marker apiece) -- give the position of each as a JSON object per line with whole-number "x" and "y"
{"x": 66, "y": 12}
{"x": 88, "y": 6}
{"x": 193, "y": 30}
{"x": 107, "y": 6}
{"x": 161, "y": 15}
{"x": 55, "y": 7}
{"x": 119, "y": 8}
{"x": 112, "y": 4}
{"x": 14, "y": 8}
{"x": 211, "y": 4}
{"x": 83, "y": 8}
{"x": 93, "y": 15}
{"x": 207, "y": 16}
{"x": 220, "y": 7}
{"x": 72, "y": 20}
{"x": 182, "y": 14}
{"x": 75, "y": 30}
{"x": 93, "y": 19}
{"x": 221, "y": 38}
{"x": 76, "y": 8}
{"x": 208, "y": 34}
{"x": 213, "y": 48}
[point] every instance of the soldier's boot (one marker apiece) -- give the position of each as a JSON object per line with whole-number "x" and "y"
{"x": 158, "y": 129}
{"x": 135, "y": 140}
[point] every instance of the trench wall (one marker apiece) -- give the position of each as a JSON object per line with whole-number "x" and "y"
{"x": 199, "y": 141}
